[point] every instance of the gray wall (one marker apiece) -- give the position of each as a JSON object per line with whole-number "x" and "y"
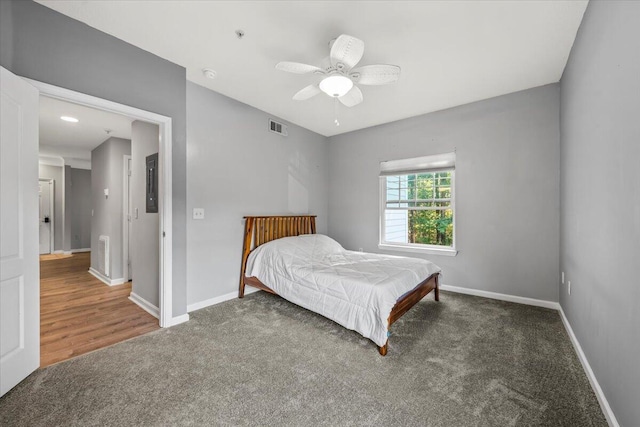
{"x": 237, "y": 168}
{"x": 55, "y": 173}
{"x": 47, "y": 46}
{"x": 145, "y": 227}
{"x": 107, "y": 165}
{"x": 80, "y": 208}
{"x": 507, "y": 177}
{"x": 600, "y": 189}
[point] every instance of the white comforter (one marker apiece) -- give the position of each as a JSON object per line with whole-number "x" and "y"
{"x": 355, "y": 289}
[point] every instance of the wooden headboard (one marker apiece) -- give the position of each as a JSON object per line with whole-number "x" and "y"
{"x": 262, "y": 229}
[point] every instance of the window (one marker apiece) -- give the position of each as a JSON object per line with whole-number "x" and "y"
{"x": 417, "y": 204}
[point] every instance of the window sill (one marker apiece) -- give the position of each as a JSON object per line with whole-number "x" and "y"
{"x": 425, "y": 250}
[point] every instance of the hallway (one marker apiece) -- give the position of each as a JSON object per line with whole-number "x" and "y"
{"x": 79, "y": 313}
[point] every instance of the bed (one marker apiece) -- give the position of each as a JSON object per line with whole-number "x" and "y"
{"x": 364, "y": 292}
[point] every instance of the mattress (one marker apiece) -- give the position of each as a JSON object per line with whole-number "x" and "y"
{"x": 355, "y": 289}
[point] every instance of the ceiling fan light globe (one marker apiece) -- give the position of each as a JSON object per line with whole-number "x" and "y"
{"x": 336, "y": 86}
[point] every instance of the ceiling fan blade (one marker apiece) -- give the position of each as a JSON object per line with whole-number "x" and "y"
{"x": 375, "y": 74}
{"x": 352, "y": 98}
{"x": 298, "y": 68}
{"x": 307, "y": 92}
{"x": 346, "y": 50}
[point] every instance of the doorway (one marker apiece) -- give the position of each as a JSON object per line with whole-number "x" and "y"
{"x": 46, "y": 215}
{"x": 165, "y": 308}
{"x": 113, "y": 313}
{"x": 87, "y": 300}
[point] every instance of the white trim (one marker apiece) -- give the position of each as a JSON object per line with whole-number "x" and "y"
{"x": 67, "y": 252}
{"x": 433, "y": 250}
{"x": 58, "y": 252}
{"x": 165, "y": 200}
{"x": 145, "y": 305}
{"x": 502, "y": 297}
{"x": 104, "y": 279}
{"x": 165, "y": 178}
{"x": 604, "y": 404}
{"x": 75, "y": 251}
{"x": 178, "y": 319}
{"x": 217, "y": 300}
{"x": 126, "y": 214}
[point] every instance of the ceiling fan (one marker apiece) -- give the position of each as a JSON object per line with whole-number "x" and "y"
{"x": 339, "y": 78}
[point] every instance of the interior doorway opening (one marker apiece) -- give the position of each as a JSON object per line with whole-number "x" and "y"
{"x": 165, "y": 232}
{"x": 76, "y": 263}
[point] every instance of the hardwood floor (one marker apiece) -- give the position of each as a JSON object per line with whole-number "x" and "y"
{"x": 79, "y": 313}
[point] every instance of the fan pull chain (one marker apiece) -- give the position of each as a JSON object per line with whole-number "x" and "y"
{"x": 336, "y": 112}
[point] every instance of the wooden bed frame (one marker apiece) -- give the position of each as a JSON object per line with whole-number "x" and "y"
{"x": 262, "y": 229}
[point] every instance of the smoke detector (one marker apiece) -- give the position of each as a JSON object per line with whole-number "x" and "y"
{"x": 209, "y": 73}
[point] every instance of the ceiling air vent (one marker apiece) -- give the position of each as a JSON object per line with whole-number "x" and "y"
{"x": 278, "y": 128}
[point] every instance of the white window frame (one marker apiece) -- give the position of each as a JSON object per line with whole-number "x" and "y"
{"x": 415, "y": 247}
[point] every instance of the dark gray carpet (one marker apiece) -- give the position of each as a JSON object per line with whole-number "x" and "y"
{"x": 465, "y": 361}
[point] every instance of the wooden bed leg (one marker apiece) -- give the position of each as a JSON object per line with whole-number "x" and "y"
{"x": 436, "y": 292}
{"x": 246, "y": 248}
{"x": 241, "y": 291}
{"x": 383, "y": 349}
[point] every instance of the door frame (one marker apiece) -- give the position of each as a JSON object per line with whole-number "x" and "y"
{"x": 52, "y": 214}
{"x": 126, "y": 215}
{"x": 165, "y": 199}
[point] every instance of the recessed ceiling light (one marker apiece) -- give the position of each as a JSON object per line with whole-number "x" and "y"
{"x": 69, "y": 119}
{"x": 209, "y": 73}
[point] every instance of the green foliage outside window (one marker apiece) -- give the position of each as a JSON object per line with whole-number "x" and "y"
{"x": 427, "y": 199}
{"x": 431, "y": 227}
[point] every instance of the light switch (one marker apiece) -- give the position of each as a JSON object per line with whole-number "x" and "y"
{"x": 198, "y": 213}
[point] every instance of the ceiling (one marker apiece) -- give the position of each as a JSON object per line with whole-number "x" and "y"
{"x": 451, "y": 52}
{"x": 73, "y": 142}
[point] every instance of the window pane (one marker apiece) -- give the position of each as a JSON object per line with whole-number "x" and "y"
{"x": 418, "y": 209}
{"x": 395, "y": 226}
{"x": 431, "y": 227}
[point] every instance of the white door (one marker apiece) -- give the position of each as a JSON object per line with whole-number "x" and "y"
{"x": 46, "y": 217}
{"x": 19, "y": 268}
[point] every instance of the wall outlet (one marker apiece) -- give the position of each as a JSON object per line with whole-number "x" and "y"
{"x": 360, "y": 250}
{"x": 569, "y": 287}
{"x": 198, "y": 213}
{"x": 563, "y": 277}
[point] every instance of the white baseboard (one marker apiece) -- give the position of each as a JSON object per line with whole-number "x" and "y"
{"x": 502, "y": 297}
{"x": 178, "y": 319}
{"x": 155, "y": 311}
{"x": 67, "y": 252}
{"x": 217, "y": 300}
{"x": 59, "y": 251}
{"x": 145, "y": 305}
{"x": 604, "y": 403}
{"x": 104, "y": 279}
{"x": 75, "y": 251}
